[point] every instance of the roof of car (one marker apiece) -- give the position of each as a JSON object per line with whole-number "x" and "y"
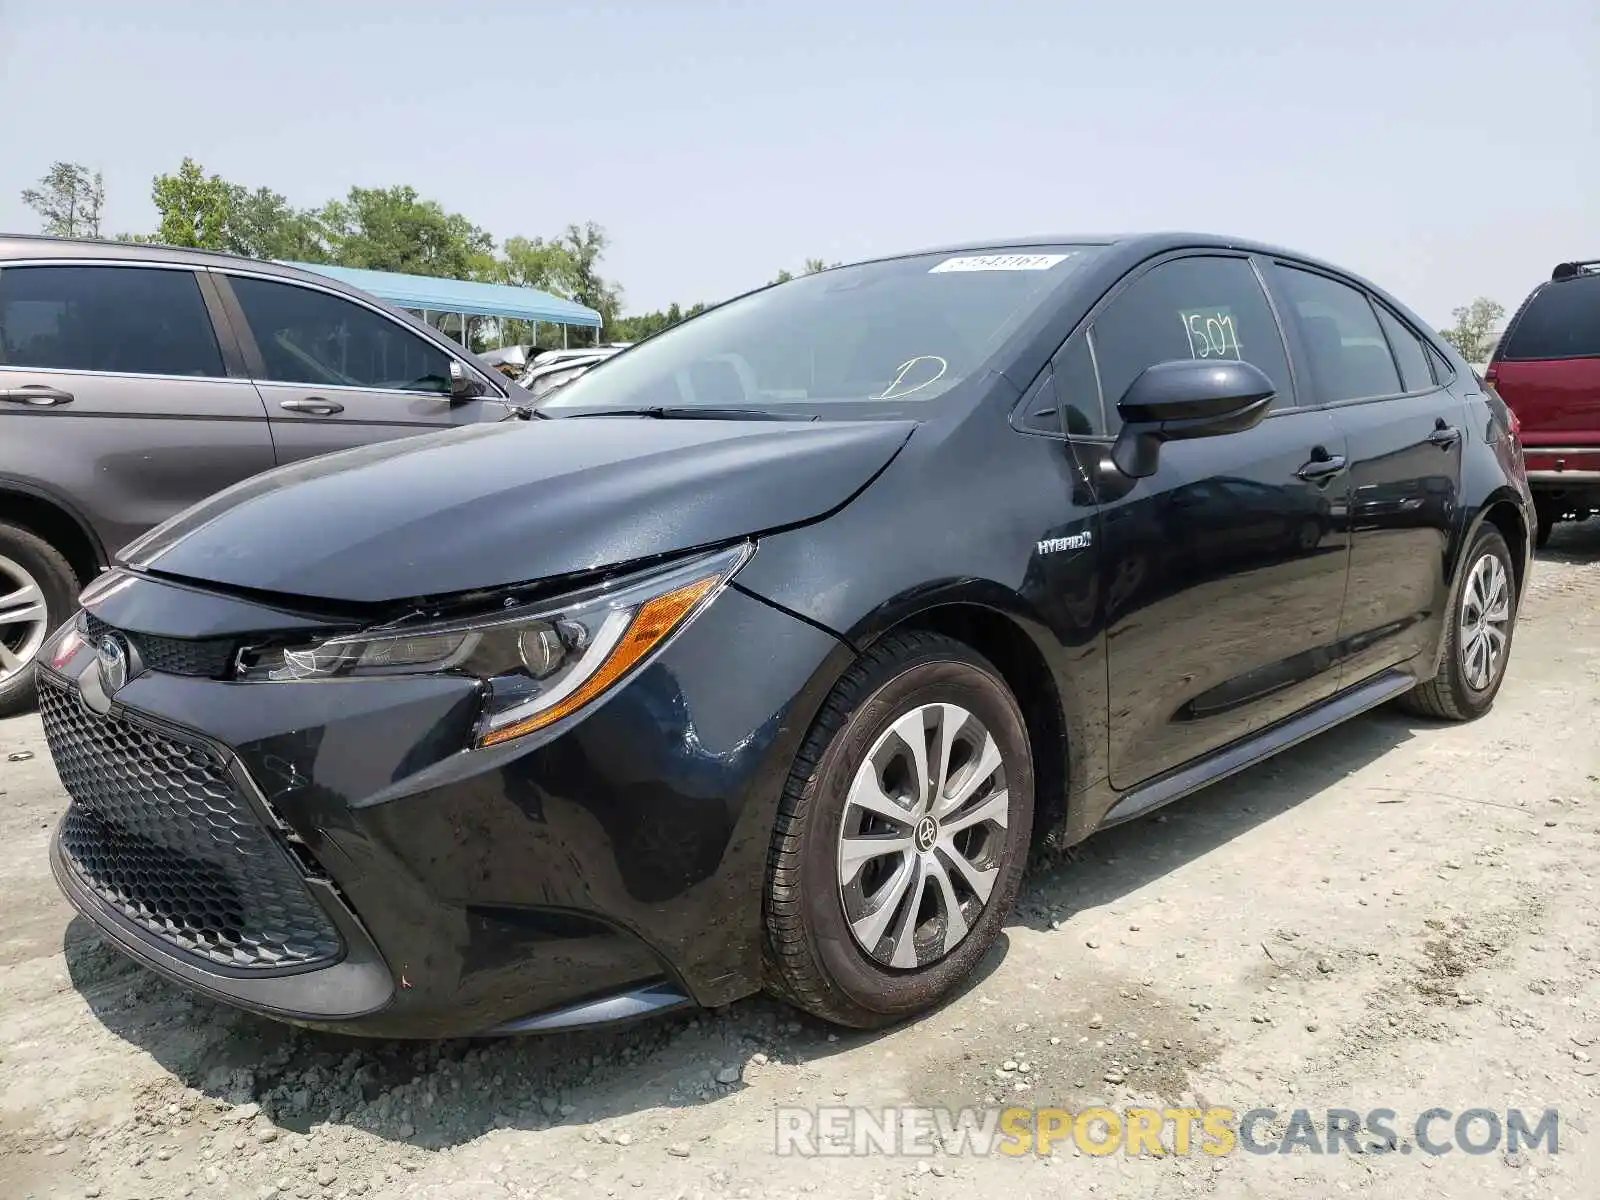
{"x": 32, "y": 245}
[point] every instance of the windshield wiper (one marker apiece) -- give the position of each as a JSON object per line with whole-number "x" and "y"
{"x": 688, "y": 412}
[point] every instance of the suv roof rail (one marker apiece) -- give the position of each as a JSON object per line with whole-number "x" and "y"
{"x": 1570, "y": 270}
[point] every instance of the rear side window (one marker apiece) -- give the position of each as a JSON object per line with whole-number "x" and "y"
{"x": 1409, "y": 352}
{"x": 311, "y": 337}
{"x": 129, "y": 320}
{"x": 1197, "y": 308}
{"x": 1345, "y": 349}
{"x": 1562, "y": 320}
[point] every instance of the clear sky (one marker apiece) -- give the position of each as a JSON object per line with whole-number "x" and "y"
{"x": 1445, "y": 148}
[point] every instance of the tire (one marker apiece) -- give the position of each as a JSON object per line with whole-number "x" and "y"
{"x": 1454, "y": 694}
{"x": 816, "y": 959}
{"x": 33, "y": 574}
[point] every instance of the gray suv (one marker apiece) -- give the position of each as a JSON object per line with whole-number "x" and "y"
{"x": 136, "y": 380}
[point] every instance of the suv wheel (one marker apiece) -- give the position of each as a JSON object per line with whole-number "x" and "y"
{"x": 1477, "y": 637}
{"x": 901, "y": 836}
{"x": 36, "y": 593}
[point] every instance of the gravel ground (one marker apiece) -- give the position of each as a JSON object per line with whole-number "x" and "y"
{"x": 1394, "y": 915}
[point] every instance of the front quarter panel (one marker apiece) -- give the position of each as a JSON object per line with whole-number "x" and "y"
{"x": 978, "y": 515}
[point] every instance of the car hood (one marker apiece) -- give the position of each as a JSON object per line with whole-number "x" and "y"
{"x": 491, "y": 505}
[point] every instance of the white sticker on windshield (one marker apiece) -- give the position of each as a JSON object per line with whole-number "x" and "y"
{"x": 1000, "y": 262}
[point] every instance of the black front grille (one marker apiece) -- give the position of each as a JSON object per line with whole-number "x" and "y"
{"x": 160, "y": 831}
{"x": 209, "y": 657}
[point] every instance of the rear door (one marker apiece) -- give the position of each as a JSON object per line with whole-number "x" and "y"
{"x": 1404, "y": 427}
{"x": 1225, "y": 570}
{"x": 1547, "y": 368}
{"x": 120, "y": 396}
{"x": 336, "y": 373}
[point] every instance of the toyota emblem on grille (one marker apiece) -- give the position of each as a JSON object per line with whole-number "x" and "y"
{"x": 113, "y": 659}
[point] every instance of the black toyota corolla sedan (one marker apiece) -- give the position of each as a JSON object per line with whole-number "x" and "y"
{"x": 763, "y": 653}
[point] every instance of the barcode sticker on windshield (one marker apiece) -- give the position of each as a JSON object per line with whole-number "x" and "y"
{"x": 999, "y": 262}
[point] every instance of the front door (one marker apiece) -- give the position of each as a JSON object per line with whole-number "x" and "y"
{"x": 1225, "y": 570}
{"x": 1404, "y": 426}
{"x": 335, "y": 374}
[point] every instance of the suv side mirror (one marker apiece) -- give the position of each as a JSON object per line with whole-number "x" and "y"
{"x": 1186, "y": 398}
{"x": 462, "y": 385}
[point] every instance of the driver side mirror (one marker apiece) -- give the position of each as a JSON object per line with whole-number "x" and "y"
{"x": 462, "y": 385}
{"x": 1186, "y": 398}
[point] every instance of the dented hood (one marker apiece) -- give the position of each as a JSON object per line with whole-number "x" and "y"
{"x": 512, "y": 502}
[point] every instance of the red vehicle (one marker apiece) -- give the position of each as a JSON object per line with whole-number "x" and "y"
{"x": 1547, "y": 368}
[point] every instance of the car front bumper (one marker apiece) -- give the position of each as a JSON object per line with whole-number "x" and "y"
{"x": 604, "y": 869}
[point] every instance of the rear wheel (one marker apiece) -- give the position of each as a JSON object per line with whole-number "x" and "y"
{"x": 37, "y": 588}
{"x": 902, "y": 834}
{"x": 1477, "y": 636}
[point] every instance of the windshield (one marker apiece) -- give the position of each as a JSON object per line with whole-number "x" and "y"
{"x": 906, "y": 329}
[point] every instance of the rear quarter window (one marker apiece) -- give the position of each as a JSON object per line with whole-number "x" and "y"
{"x": 1560, "y": 320}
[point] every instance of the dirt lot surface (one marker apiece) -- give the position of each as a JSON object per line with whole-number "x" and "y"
{"x": 1395, "y": 915}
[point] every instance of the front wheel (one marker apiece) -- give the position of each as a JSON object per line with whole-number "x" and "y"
{"x": 902, "y": 834}
{"x": 1477, "y": 636}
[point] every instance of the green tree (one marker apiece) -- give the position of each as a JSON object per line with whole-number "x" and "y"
{"x": 783, "y": 276}
{"x": 1474, "y": 331}
{"x": 193, "y": 208}
{"x": 263, "y": 224}
{"x": 813, "y": 265}
{"x": 579, "y": 277}
{"x": 69, "y": 200}
{"x": 391, "y": 229}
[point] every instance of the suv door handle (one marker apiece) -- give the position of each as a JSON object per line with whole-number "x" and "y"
{"x": 1322, "y": 467}
{"x": 314, "y": 405}
{"x": 38, "y": 395}
{"x": 1444, "y": 435}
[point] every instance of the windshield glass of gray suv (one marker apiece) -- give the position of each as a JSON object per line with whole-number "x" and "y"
{"x": 904, "y": 329}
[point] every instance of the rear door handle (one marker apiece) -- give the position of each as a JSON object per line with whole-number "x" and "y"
{"x": 1322, "y": 467}
{"x": 38, "y": 395}
{"x": 1444, "y": 435}
{"x": 314, "y": 405}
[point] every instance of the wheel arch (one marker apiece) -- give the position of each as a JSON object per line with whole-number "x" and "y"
{"x": 56, "y": 521}
{"x": 997, "y": 624}
{"x": 1505, "y": 510}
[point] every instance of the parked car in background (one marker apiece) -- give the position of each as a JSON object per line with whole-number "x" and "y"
{"x": 1547, "y": 368}
{"x": 557, "y": 368}
{"x": 763, "y": 655}
{"x": 136, "y": 380}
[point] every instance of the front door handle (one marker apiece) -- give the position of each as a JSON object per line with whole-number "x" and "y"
{"x": 1444, "y": 435}
{"x": 316, "y": 406}
{"x": 37, "y": 395}
{"x": 1322, "y": 467}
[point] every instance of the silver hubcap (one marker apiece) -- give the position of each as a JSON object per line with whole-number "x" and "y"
{"x": 22, "y": 618}
{"x": 1485, "y": 622}
{"x": 921, "y": 840}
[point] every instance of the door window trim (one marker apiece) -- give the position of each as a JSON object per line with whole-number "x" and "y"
{"x": 1374, "y": 302}
{"x": 227, "y": 347}
{"x": 1133, "y": 274}
{"x": 257, "y": 364}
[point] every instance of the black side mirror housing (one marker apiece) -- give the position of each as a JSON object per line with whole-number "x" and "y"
{"x": 1186, "y": 398}
{"x": 462, "y": 385}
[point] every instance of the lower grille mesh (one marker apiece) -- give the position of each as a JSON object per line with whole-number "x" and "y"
{"x": 157, "y": 828}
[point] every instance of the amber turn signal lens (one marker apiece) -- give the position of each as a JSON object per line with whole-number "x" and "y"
{"x": 649, "y": 627}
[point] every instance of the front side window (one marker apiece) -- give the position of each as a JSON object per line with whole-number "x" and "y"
{"x": 1409, "y": 352}
{"x": 128, "y": 320}
{"x": 1201, "y": 308}
{"x": 312, "y": 337}
{"x": 1345, "y": 349}
{"x": 904, "y": 330}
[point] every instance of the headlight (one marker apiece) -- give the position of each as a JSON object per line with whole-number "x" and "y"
{"x": 538, "y": 665}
